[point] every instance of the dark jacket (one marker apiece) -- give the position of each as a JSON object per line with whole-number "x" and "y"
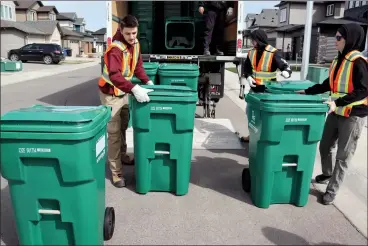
{"x": 354, "y": 34}
{"x": 216, "y": 5}
{"x": 278, "y": 62}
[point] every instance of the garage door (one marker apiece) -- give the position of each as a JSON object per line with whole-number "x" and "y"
{"x": 11, "y": 39}
{"x": 74, "y": 45}
{"x": 331, "y": 51}
{"x": 36, "y": 39}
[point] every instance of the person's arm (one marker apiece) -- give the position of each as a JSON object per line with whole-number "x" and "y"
{"x": 319, "y": 88}
{"x": 281, "y": 63}
{"x": 360, "y": 83}
{"x": 114, "y": 67}
{"x": 139, "y": 72}
{"x": 248, "y": 71}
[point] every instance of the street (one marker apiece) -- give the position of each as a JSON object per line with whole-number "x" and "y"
{"x": 216, "y": 210}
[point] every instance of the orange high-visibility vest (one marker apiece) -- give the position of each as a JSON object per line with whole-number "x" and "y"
{"x": 127, "y": 70}
{"x": 343, "y": 82}
{"x": 262, "y": 71}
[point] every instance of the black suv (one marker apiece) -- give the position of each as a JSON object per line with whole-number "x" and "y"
{"x": 49, "y": 53}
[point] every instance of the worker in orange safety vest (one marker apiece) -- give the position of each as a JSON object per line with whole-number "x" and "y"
{"x": 348, "y": 107}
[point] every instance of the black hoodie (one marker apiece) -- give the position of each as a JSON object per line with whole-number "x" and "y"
{"x": 354, "y": 37}
{"x": 260, "y": 37}
{"x": 216, "y": 5}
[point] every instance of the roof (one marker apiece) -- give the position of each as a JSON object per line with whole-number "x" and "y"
{"x": 21, "y": 26}
{"x": 357, "y": 13}
{"x": 251, "y": 15}
{"x": 267, "y": 18}
{"x": 70, "y": 15}
{"x": 101, "y": 31}
{"x": 340, "y": 21}
{"x": 47, "y": 27}
{"x": 63, "y": 17}
{"x": 67, "y": 32}
{"x": 27, "y": 4}
{"x": 79, "y": 21}
{"x": 304, "y": 2}
{"x": 287, "y": 28}
{"x": 47, "y": 9}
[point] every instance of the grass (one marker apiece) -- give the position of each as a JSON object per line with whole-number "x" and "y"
{"x": 74, "y": 62}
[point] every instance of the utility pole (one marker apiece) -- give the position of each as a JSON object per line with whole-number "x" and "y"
{"x": 307, "y": 41}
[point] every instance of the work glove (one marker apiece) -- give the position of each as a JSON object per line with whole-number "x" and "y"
{"x": 149, "y": 82}
{"x": 251, "y": 82}
{"x": 285, "y": 74}
{"x": 141, "y": 94}
{"x": 230, "y": 11}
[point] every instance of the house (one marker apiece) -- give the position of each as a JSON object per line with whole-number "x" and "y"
{"x": 100, "y": 40}
{"x": 327, "y": 17}
{"x": 249, "y": 19}
{"x": 357, "y": 11}
{"x": 70, "y": 38}
{"x": 15, "y": 33}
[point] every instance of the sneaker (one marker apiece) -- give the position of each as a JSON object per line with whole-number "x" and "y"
{"x": 206, "y": 53}
{"x": 118, "y": 181}
{"x": 328, "y": 198}
{"x": 322, "y": 179}
{"x": 219, "y": 52}
{"x": 244, "y": 139}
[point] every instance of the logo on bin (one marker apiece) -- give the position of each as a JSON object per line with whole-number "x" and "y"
{"x": 153, "y": 108}
{"x": 288, "y": 120}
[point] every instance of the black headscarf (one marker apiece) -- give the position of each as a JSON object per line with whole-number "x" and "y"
{"x": 353, "y": 35}
{"x": 260, "y": 37}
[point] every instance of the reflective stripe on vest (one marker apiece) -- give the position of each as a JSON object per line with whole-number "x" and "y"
{"x": 343, "y": 83}
{"x": 262, "y": 71}
{"x": 128, "y": 65}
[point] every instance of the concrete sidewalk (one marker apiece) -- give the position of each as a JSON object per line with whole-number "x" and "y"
{"x": 352, "y": 197}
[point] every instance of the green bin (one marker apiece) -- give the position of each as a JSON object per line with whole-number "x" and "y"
{"x": 178, "y": 74}
{"x": 163, "y": 137}
{"x": 284, "y": 131}
{"x": 11, "y": 66}
{"x": 317, "y": 74}
{"x": 54, "y": 160}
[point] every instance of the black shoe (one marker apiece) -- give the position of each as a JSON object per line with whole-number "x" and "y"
{"x": 206, "y": 52}
{"x": 219, "y": 52}
{"x": 322, "y": 179}
{"x": 328, "y": 198}
{"x": 118, "y": 181}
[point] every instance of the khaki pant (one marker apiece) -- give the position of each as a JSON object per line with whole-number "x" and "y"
{"x": 116, "y": 129}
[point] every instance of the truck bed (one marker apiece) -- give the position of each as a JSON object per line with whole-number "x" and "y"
{"x": 188, "y": 58}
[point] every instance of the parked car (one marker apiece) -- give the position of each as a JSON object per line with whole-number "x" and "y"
{"x": 48, "y": 53}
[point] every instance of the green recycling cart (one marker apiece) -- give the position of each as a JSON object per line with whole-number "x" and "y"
{"x": 163, "y": 137}
{"x": 54, "y": 160}
{"x": 284, "y": 132}
{"x": 317, "y": 74}
{"x": 11, "y": 66}
{"x": 290, "y": 86}
{"x": 178, "y": 74}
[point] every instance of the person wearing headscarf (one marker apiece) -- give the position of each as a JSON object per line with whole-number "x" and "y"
{"x": 261, "y": 65}
{"x": 348, "y": 108}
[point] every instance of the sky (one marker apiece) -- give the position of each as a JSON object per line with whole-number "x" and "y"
{"x": 94, "y": 12}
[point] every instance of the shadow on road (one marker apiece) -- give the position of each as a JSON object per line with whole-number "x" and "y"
{"x": 85, "y": 94}
{"x": 281, "y": 237}
{"x": 8, "y": 229}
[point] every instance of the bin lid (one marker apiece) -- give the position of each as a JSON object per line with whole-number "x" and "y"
{"x": 150, "y": 65}
{"x": 289, "y": 85}
{"x": 178, "y": 67}
{"x": 172, "y": 91}
{"x": 40, "y": 118}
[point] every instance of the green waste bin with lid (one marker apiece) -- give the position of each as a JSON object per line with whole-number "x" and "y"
{"x": 290, "y": 86}
{"x": 163, "y": 138}
{"x": 317, "y": 74}
{"x": 54, "y": 160}
{"x": 178, "y": 74}
{"x": 284, "y": 132}
{"x": 11, "y": 66}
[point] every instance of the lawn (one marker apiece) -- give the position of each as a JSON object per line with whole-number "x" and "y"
{"x": 74, "y": 62}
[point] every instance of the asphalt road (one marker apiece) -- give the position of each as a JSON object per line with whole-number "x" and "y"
{"x": 215, "y": 211}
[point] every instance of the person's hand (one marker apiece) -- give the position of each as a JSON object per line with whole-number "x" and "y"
{"x": 150, "y": 83}
{"x": 141, "y": 94}
{"x": 285, "y": 74}
{"x": 251, "y": 81}
{"x": 300, "y": 92}
{"x": 201, "y": 10}
{"x": 230, "y": 11}
{"x": 332, "y": 106}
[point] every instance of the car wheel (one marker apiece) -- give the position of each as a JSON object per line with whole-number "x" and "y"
{"x": 47, "y": 59}
{"x": 24, "y": 61}
{"x": 14, "y": 57}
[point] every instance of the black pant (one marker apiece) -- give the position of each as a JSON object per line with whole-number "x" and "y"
{"x": 215, "y": 27}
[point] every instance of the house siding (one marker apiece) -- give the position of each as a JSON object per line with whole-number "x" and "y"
{"x": 45, "y": 16}
{"x": 35, "y": 39}
{"x": 11, "y": 39}
{"x": 298, "y": 13}
{"x": 21, "y": 15}
{"x": 55, "y": 38}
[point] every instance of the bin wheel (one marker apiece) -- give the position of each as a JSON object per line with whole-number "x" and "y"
{"x": 246, "y": 180}
{"x": 109, "y": 223}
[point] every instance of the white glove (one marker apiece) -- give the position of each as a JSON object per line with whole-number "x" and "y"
{"x": 251, "y": 81}
{"x": 149, "y": 82}
{"x": 230, "y": 11}
{"x": 243, "y": 81}
{"x": 141, "y": 94}
{"x": 285, "y": 74}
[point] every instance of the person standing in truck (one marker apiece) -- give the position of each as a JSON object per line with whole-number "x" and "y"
{"x": 261, "y": 65}
{"x": 122, "y": 60}
{"x": 215, "y": 23}
{"x": 348, "y": 108}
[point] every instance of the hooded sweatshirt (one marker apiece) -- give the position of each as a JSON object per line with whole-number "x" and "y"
{"x": 354, "y": 37}
{"x": 261, "y": 38}
{"x": 216, "y": 5}
{"x": 115, "y": 65}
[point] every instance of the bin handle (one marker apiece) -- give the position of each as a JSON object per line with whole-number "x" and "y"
{"x": 48, "y": 211}
{"x": 162, "y": 152}
{"x": 289, "y": 164}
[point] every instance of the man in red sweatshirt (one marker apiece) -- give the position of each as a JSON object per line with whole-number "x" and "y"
{"x": 122, "y": 60}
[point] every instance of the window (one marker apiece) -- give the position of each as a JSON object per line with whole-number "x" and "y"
{"x": 364, "y": 3}
{"x": 6, "y": 12}
{"x": 330, "y": 10}
{"x": 351, "y": 4}
{"x": 283, "y": 15}
{"x": 52, "y": 17}
{"x": 357, "y": 3}
{"x": 31, "y": 15}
